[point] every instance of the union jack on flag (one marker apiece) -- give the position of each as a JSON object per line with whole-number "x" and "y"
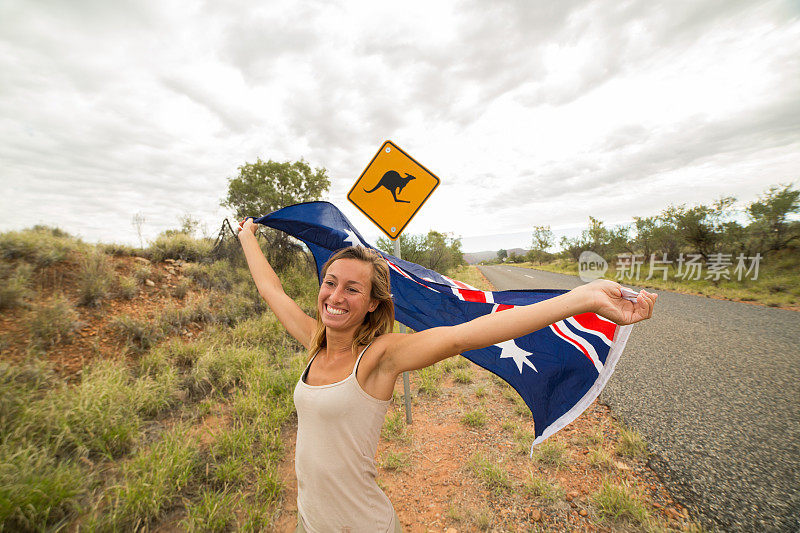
{"x": 558, "y": 370}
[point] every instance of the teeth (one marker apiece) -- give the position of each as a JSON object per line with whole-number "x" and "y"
{"x": 335, "y": 311}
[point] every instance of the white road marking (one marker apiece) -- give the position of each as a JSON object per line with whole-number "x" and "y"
{"x": 527, "y": 276}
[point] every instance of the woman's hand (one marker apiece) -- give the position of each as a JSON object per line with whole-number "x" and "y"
{"x": 247, "y": 225}
{"x": 606, "y": 299}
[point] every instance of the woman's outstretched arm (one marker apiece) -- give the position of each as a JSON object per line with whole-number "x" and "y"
{"x": 604, "y": 297}
{"x": 297, "y": 323}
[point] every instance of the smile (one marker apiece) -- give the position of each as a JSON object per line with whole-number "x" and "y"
{"x": 334, "y": 311}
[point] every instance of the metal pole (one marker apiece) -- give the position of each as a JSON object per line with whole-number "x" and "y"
{"x": 406, "y": 386}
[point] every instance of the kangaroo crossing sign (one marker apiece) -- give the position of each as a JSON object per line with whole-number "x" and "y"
{"x": 392, "y": 189}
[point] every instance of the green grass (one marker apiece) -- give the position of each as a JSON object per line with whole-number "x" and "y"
{"x": 95, "y": 278}
{"x": 181, "y": 289}
{"x": 212, "y": 511}
{"x": 179, "y": 246}
{"x": 395, "y": 461}
{"x": 121, "y": 447}
{"x": 491, "y": 475}
{"x": 142, "y": 272}
{"x": 462, "y": 376}
{"x": 474, "y": 419}
{"x": 550, "y": 452}
{"x": 127, "y": 287}
{"x": 522, "y": 441}
{"x": 39, "y": 246}
{"x": 541, "y": 489}
{"x": 52, "y": 322}
{"x": 151, "y": 482}
{"x": 480, "y": 391}
{"x": 620, "y": 502}
{"x": 631, "y": 444}
{"x": 601, "y": 459}
{"x": 395, "y": 427}
{"x": 429, "y": 380}
{"x": 778, "y": 282}
{"x": 471, "y": 275}
{"x": 14, "y": 285}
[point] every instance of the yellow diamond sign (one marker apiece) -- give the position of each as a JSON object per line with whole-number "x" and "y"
{"x": 392, "y": 188}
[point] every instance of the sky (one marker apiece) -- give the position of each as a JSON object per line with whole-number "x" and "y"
{"x": 530, "y": 112}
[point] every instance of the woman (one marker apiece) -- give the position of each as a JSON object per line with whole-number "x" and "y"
{"x": 344, "y": 392}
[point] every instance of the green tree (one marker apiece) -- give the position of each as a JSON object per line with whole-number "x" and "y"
{"x": 770, "y": 215}
{"x": 436, "y": 251}
{"x": 502, "y": 254}
{"x": 542, "y": 239}
{"x": 263, "y": 187}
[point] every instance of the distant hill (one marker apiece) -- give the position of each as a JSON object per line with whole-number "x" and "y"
{"x": 476, "y": 257}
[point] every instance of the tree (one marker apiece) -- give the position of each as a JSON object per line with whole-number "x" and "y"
{"x": 542, "y": 238}
{"x": 263, "y": 187}
{"x": 502, "y": 254}
{"x": 770, "y": 217}
{"x": 436, "y": 251}
{"x": 138, "y": 221}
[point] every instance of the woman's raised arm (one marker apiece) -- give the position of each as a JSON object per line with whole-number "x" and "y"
{"x": 297, "y": 323}
{"x": 604, "y": 297}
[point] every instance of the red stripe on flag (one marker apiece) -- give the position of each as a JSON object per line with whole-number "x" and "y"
{"x": 592, "y": 321}
{"x": 472, "y": 296}
{"x": 503, "y": 307}
{"x": 578, "y": 346}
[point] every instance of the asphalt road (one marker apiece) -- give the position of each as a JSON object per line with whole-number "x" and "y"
{"x": 714, "y": 388}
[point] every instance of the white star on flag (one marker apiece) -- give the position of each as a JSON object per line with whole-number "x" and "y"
{"x": 520, "y": 356}
{"x": 352, "y": 238}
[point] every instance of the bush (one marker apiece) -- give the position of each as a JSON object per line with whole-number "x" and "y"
{"x": 142, "y": 272}
{"x": 179, "y": 246}
{"x": 127, "y": 287}
{"x": 94, "y": 278}
{"x": 38, "y": 245}
{"x": 52, "y": 322}
{"x": 14, "y": 285}
{"x": 140, "y": 334}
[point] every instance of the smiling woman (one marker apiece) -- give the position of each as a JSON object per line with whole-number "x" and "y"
{"x": 343, "y": 394}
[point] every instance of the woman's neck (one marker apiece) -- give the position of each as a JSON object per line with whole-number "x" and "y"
{"x": 338, "y": 343}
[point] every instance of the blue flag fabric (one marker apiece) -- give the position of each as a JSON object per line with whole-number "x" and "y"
{"x": 558, "y": 370}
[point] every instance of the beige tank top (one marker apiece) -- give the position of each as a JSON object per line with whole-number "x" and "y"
{"x": 338, "y": 426}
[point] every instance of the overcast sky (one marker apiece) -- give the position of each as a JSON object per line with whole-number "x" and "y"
{"x": 530, "y": 112}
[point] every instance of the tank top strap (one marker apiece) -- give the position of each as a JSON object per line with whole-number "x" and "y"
{"x": 358, "y": 360}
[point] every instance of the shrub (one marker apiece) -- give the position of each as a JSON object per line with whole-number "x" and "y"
{"x": 38, "y": 245}
{"x": 523, "y": 440}
{"x": 52, "y": 322}
{"x": 181, "y": 289}
{"x": 142, "y": 272}
{"x": 127, "y": 287}
{"x": 119, "y": 249}
{"x": 14, "y": 285}
{"x": 139, "y": 334}
{"x": 94, "y": 278}
{"x": 179, "y": 246}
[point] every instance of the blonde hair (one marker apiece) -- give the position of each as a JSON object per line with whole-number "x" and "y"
{"x": 376, "y": 322}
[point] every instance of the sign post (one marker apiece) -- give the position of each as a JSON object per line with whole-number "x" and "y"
{"x": 390, "y": 191}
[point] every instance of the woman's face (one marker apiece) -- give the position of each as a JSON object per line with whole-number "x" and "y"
{"x": 344, "y": 296}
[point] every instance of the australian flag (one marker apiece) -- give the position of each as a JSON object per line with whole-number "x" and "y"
{"x": 558, "y": 370}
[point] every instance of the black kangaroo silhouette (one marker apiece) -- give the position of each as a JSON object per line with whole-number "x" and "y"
{"x": 394, "y": 183}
